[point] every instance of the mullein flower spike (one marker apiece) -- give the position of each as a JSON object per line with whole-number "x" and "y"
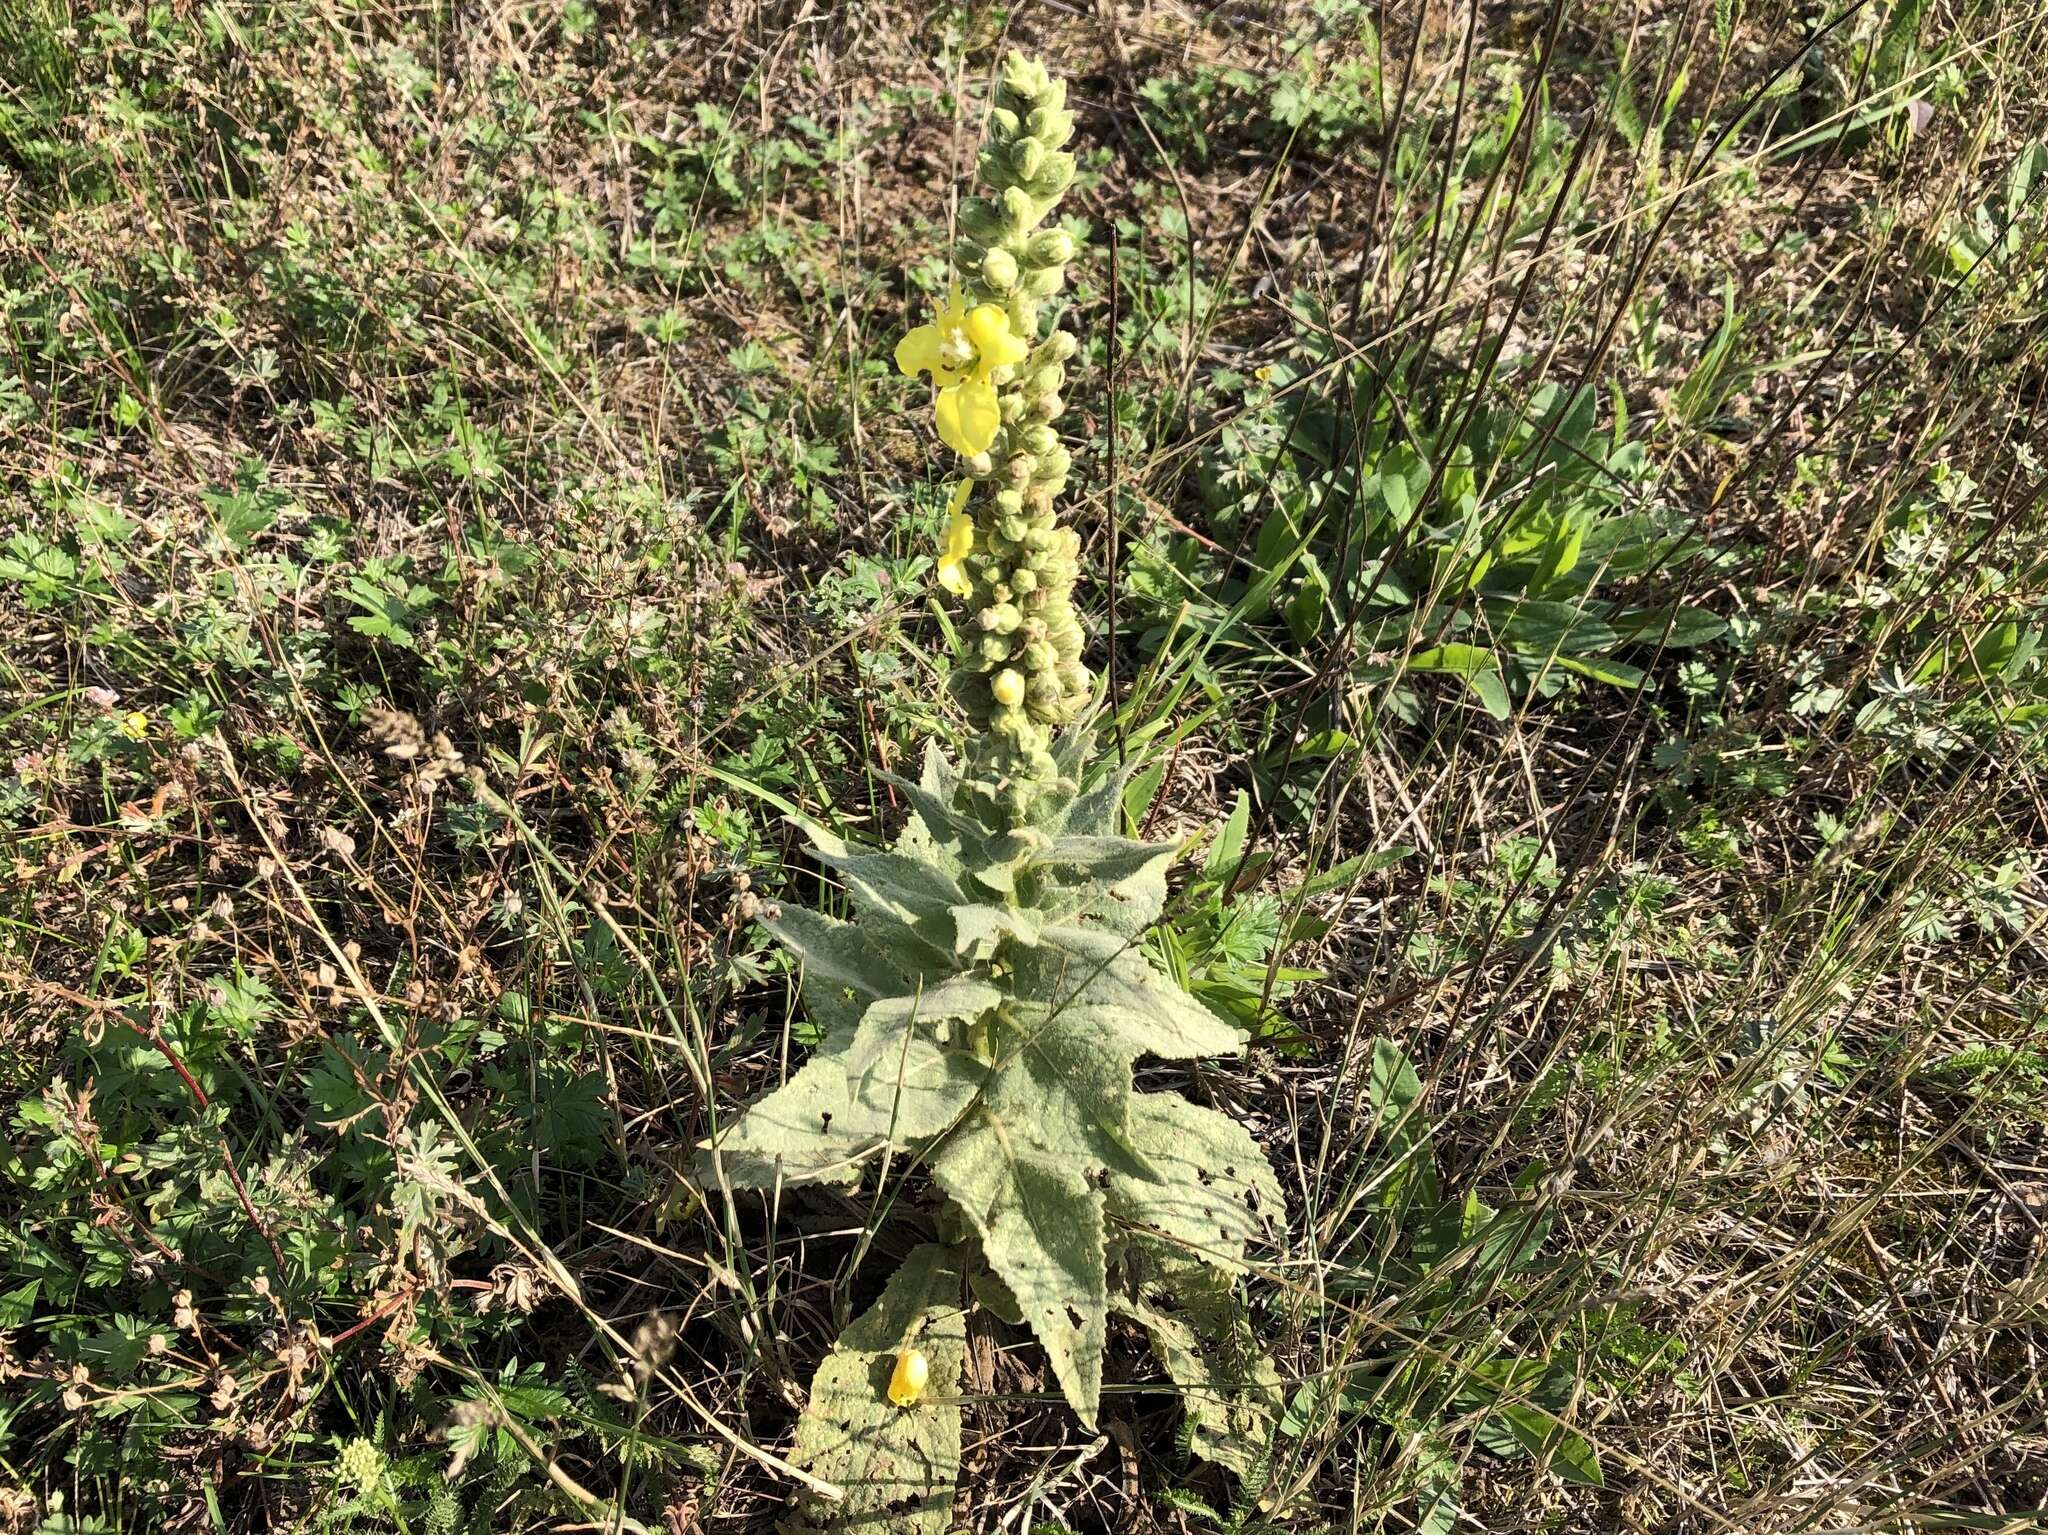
{"x": 1013, "y": 566}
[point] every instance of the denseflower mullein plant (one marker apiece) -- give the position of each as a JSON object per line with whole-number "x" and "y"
{"x": 997, "y": 397}
{"x": 981, "y": 1013}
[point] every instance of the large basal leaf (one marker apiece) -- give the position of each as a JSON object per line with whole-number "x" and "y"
{"x": 846, "y": 968}
{"x": 892, "y": 1083}
{"x": 897, "y": 1466}
{"x": 1040, "y": 1224}
{"x": 1230, "y": 1392}
{"x": 1025, "y": 1167}
{"x": 1140, "y": 1009}
{"x": 1215, "y": 1193}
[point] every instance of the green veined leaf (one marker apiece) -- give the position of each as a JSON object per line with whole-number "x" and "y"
{"x": 1600, "y": 669}
{"x": 897, "y": 1466}
{"x": 1215, "y": 1193}
{"x": 1079, "y": 970}
{"x": 1227, "y": 851}
{"x": 1478, "y": 667}
{"x": 1544, "y": 628}
{"x": 1395, "y": 1093}
{"x": 1522, "y": 1427}
{"x": 1678, "y": 629}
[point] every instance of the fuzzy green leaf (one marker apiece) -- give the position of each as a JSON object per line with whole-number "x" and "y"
{"x": 1229, "y": 1391}
{"x": 1099, "y": 810}
{"x": 978, "y": 928}
{"x": 896, "y": 888}
{"x": 1086, "y": 969}
{"x": 897, "y": 1465}
{"x": 1215, "y": 1193}
{"x": 846, "y": 967}
{"x": 1123, "y": 881}
{"x": 891, "y": 1084}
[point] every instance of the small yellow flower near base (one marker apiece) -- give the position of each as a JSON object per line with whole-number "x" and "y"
{"x": 907, "y": 1380}
{"x": 1008, "y": 687}
{"x": 959, "y": 544}
{"x": 962, "y": 349}
{"x": 135, "y": 725}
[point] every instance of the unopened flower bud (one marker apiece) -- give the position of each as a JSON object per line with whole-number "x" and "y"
{"x": 1049, "y": 247}
{"x": 999, "y": 269}
{"x": 1008, "y": 688}
{"x": 1050, "y": 125}
{"x": 1020, "y": 211}
{"x": 981, "y": 219}
{"x": 1045, "y": 282}
{"x": 1024, "y": 581}
{"x": 1054, "y": 172}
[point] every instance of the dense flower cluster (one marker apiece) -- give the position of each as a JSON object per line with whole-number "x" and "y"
{"x": 1006, "y": 556}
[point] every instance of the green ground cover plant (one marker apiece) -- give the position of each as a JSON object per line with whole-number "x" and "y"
{"x": 1264, "y": 768}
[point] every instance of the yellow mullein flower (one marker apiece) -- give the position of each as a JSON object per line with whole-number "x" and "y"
{"x": 962, "y": 349}
{"x": 959, "y": 543}
{"x": 907, "y": 1380}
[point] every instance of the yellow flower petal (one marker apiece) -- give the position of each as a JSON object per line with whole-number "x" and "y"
{"x": 995, "y": 346}
{"x": 959, "y": 544}
{"x": 907, "y": 1380}
{"x": 961, "y": 492}
{"x": 968, "y": 417}
{"x": 960, "y": 538}
{"x": 918, "y": 352}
